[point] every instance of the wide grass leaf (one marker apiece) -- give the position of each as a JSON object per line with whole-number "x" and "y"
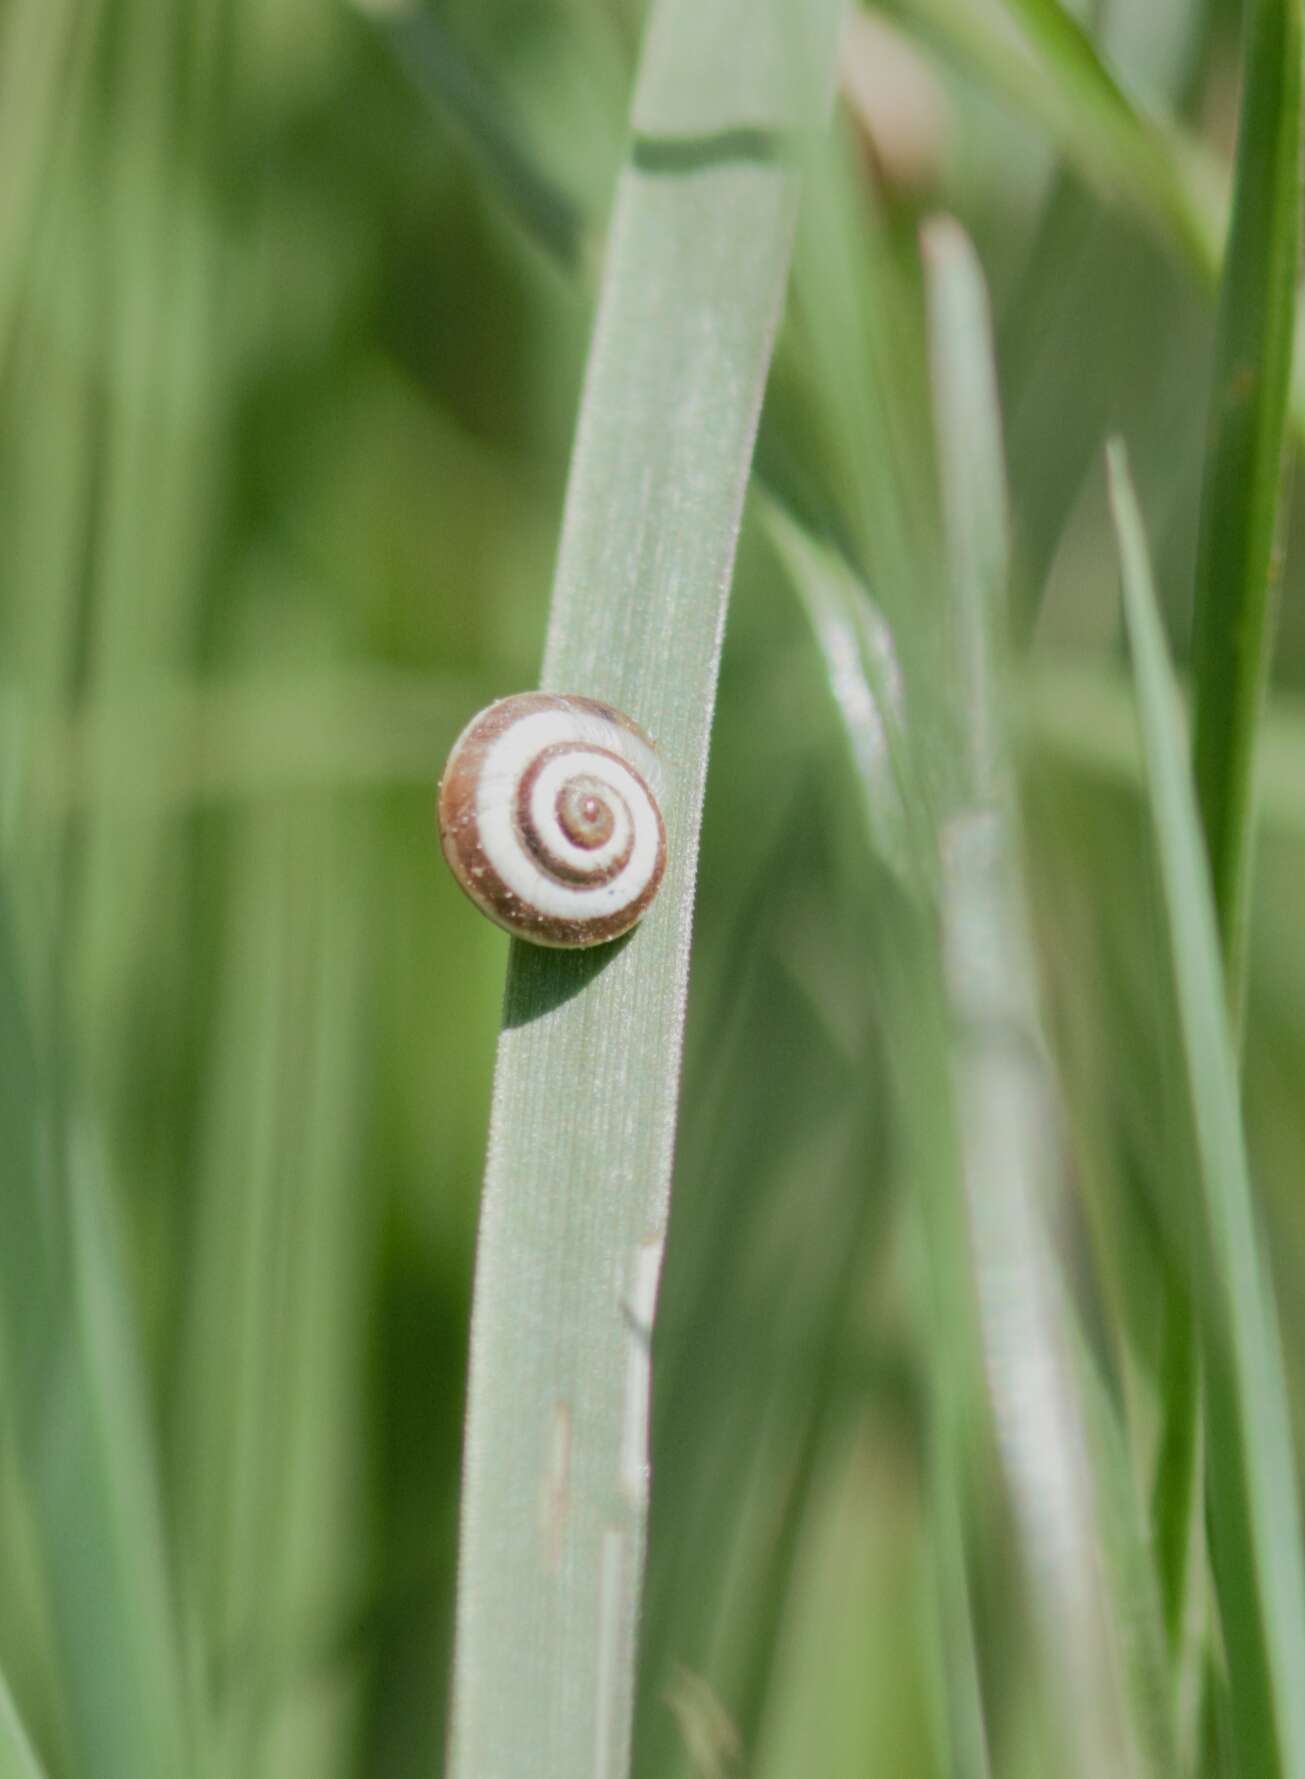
{"x": 575, "y": 1203}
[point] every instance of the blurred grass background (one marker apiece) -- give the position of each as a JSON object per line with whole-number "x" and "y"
{"x": 291, "y": 349}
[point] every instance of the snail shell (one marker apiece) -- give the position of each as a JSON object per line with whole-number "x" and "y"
{"x": 549, "y": 818}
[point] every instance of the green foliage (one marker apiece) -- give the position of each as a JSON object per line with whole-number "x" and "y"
{"x": 1241, "y": 492}
{"x": 1254, "y": 1494}
{"x": 295, "y": 301}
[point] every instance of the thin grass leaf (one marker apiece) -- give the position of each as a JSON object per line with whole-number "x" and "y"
{"x": 73, "y": 1375}
{"x": 442, "y": 71}
{"x": 1102, "y": 1681}
{"x": 1146, "y": 158}
{"x": 573, "y": 1219}
{"x": 270, "y": 1391}
{"x": 865, "y": 682}
{"x": 17, "y": 1756}
{"x": 1042, "y": 60}
{"x": 1078, "y": 716}
{"x": 1233, "y": 635}
{"x": 864, "y": 677}
{"x": 1167, "y": 178}
{"x": 1259, "y": 1573}
{"x": 1244, "y": 463}
{"x": 40, "y": 82}
{"x": 970, "y": 467}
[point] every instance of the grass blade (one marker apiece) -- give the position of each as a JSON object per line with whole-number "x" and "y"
{"x": 1259, "y": 1572}
{"x": 80, "y": 1410}
{"x": 39, "y": 79}
{"x": 442, "y": 71}
{"x": 1244, "y": 463}
{"x": 1078, "y": 716}
{"x": 574, "y": 1211}
{"x": 1042, "y": 60}
{"x": 866, "y": 686}
{"x": 269, "y": 1506}
{"x": 1233, "y": 634}
{"x": 970, "y": 467}
{"x": 865, "y": 679}
{"x": 17, "y": 1757}
{"x": 1006, "y": 1116}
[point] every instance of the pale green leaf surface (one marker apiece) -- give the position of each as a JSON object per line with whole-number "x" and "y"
{"x": 574, "y": 1210}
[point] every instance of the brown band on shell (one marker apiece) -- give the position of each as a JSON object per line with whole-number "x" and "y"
{"x": 562, "y": 870}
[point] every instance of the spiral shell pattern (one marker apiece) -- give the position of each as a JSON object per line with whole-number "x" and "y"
{"x": 549, "y": 818}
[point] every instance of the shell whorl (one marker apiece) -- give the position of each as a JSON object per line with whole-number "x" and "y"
{"x": 549, "y": 818}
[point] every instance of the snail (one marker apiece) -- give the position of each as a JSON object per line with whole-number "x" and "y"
{"x": 549, "y": 818}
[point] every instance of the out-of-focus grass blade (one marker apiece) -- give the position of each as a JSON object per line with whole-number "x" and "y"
{"x": 1006, "y": 1119}
{"x": 270, "y": 1405}
{"x": 1129, "y": 1561}
{"x": 441, "y": 69}
{"x": 1168, "y": 179}
{"x": 17, "y": 1756}
{"x": 855, "y": 295}
{"x": 1244, "y": 463}
{"x": 967, "y": 430}
{"x": 1253, "y": 1495}
{"x": 80, "y": 1410}
{"x": 37, "y": 73}
{"x": 1148, "y": 163}
{"x": 865, "y": 682}
{"x": 864, "y": 676}
{"x": 573, "y": 1217}
{"x": 1078, "y": 714}
{"x": 1040, "y": 58}
{"x": 1232, "y": 643}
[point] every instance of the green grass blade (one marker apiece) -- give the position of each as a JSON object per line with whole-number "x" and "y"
{"x": 39, "y": 82}
{"x": 970, "y": 468}
{"x": 865, "y": 683}
{"x": 1244, "y": 463}
{"x": 865, "y": 679}
{"x": 573, "y": 1219}
{"x": 1078, "y": 716}
{"x": 79, "y": 1403}
{"x": 17, "y": 1756}
{"x": 271, "y": 1504}
{"x": 1233, "y": 635}
{"x": 1056, "y": 77}
{"x": 1131, "y": 149}
{"x": 1005, "y": 1099}
{"x": 1259, "y": 1572}
{"x": 442, "y": 71}
{"x": 1044, "y": 63}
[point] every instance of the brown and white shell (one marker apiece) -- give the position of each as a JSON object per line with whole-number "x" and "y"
{"x": 549, "y": 818}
